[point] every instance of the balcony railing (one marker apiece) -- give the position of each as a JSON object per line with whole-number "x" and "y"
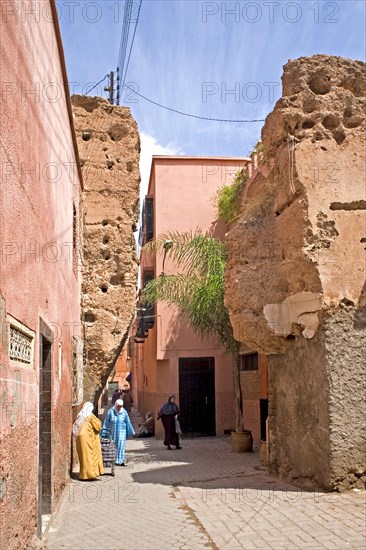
{"x": 147, "y": 225}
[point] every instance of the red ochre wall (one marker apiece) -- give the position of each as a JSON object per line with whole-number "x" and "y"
{"x": 39, "y": 277}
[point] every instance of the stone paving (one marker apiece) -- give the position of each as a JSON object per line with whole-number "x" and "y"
{"x": 203, "y": 496}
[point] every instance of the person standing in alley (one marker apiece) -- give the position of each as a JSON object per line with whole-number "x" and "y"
{"x": 86, "y": 429}
{"x": 127, "y": 398}
{"x": 168, "y": 412}
{"x": 116, "y": 395}
{"x": 119, "y": 424}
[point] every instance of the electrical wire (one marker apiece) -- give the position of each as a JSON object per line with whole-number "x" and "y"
{"x": 133, "y": 39}
{"x": 125, "y": 33}
{"x": 190, "y": 114}
{"x": 124, "y": 41}
{"x": 88, "y": 92}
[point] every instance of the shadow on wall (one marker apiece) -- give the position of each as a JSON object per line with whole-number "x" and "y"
{"x": 180, "y": 334}
{"x": 218, "y": 229}
{"x": 360, "y": 315}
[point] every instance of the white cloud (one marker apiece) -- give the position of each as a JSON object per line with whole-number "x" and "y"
{"x": 150, "y": 147}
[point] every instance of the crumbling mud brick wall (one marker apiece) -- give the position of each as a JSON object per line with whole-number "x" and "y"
{"x": 109, "y": 148}
{"x": 295, "y": 283}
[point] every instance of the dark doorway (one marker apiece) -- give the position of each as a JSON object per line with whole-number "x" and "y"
{"x": 263, "y": 414}
{"x": 197, "y": 395}
{"x": 45, "y": 426}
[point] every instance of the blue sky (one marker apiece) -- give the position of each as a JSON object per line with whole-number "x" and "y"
{"x": 185, "y": 48}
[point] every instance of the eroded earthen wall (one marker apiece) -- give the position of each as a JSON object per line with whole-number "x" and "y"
{"x": 109, "y": 148}
{"x": 295, "y": 284}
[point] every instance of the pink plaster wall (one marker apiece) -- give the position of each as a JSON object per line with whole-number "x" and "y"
{"x": 39, "y": 183}
{"x": 183, "y": 189}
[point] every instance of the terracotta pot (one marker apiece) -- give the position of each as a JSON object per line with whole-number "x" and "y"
{"x": 242, "y": 442}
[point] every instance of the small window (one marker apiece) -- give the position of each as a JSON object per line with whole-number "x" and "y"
{"x": 75, "y": 240}
{"x": 149, "y": 219}
{"x": 249, "y": 362}
{"x": 147, "y": 222}
{"x": 149, "y": 309}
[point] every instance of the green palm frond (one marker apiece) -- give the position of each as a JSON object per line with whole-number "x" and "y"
{"x": 197, "y": 291}
{"x": 175, "y": 290}
{"x": 193, "y": 251}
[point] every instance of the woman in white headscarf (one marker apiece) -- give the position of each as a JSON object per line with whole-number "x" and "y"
{"x": 119, "y": 424}
{"x": 86, "y": 429}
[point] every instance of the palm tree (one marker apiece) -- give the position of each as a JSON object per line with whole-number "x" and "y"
{"x": 198, "y": 292}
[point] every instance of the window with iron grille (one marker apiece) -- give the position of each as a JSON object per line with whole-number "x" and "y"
{"x": 149, "y": 309}
{"x": 77, "y": 370}
{"x": 249, "y": 362}
{"x": 74, "y": 240}
{"x": 149, "y": 219}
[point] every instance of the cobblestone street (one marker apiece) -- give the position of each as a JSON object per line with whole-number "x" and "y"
{"x": 203, "y": 496}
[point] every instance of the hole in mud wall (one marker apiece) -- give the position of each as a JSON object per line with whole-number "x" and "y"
{"x": 105, "y": 222}
{"x": 106, "y": 254}
{"x": 320, "y": 84}
{"x": 116, "y": 280}
{"x": 348, "y": 112}
{"x": 103, "y": 288}
{"x": 117, "y": 132}
{"x": 353, "y": 121}
{"x": 105, "y": 239}
{"x": 110, "y": 164}
{"x": 89, "y": 317}
{"x": 307, "y": 124}
{"x": 330, "y": 122}
{"x": 309, "y": 105}
{"x": 86, "y": 135}
{"x": 339, "y": 136}
{"x": 129, "y": 166}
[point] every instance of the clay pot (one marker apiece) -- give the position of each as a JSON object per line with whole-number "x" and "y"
{"x": 242, "y": 442}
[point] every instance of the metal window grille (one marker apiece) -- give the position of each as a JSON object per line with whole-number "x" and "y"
{"x": 249, "y": 362}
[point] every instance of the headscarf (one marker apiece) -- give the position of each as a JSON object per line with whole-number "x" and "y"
{"x": 170, "y": 408}
{"x": 118, "y": 402}
{"x": 81, "y": 417}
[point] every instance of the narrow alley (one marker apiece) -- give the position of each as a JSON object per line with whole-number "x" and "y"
{"x": 182, "y": 275}
{"x": 203, "y": 496}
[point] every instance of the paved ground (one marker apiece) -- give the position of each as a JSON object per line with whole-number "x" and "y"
{"x": 203, "y": 496}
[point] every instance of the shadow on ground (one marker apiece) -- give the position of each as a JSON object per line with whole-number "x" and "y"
{"x": 202, "y": 462}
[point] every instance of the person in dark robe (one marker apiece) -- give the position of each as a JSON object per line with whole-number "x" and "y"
{"x": 116, "y": 395}
{"x": 168, "y": 413}
{"x": 127, "y": 398}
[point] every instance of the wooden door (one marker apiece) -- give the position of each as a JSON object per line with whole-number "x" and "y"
{"x": 197, "y": 395}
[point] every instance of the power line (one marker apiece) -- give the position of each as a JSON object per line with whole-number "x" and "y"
{"x": 88, "y": 92}
{"x": 124, "y": 41}
{"x": 189, "y": 114}
{"x": 133, "y": 39}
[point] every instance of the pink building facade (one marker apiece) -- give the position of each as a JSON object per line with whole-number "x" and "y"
{"x": 40, "y": 333}
{"x": 174, "y": 359}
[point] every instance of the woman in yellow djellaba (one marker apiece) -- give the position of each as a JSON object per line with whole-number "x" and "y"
{"x": 86, "y": 429}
